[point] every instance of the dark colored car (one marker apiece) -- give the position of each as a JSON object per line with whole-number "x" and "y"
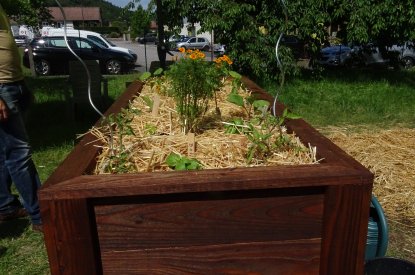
{"x": 148, "y": 38}
{"x": 337, "y": 55}
{"x": 51, "y": 55}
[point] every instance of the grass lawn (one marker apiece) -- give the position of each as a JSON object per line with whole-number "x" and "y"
{"x": 374, "y": 98}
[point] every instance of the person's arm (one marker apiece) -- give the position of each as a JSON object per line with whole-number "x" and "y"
{"x": 4, "y": 113}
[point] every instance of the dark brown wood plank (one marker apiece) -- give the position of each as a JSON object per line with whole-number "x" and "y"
{"x": 202, "y": 220}
{"x": 346, "y": 216}
{"x": 270, "y": 258}
{"x": 70, "y": 237}
{"x": 202, "y": 181}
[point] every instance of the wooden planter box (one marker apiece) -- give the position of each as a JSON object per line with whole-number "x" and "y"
{"x": 308, "y": 219}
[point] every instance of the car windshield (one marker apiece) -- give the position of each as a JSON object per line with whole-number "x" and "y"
{"x": 109, "y": 42}
{"x": 97, "y": 40}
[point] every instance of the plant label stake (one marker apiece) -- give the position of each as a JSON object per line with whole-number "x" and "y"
{"x": 156, "y": 105}
{"x": 191, "y": 144}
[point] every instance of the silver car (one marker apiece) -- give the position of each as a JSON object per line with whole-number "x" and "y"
{"x": 200, "y": 43}
{"x": 406, "y": 54}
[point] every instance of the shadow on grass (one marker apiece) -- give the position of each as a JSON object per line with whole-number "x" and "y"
{"x": 363, "y": 75}
{"x": 51, "y": 121}
{"x": 13, "y": 228}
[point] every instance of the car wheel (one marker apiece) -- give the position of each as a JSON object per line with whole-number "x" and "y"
{"x": 205, "y": 48}
{"x": 42, "y": 67}
{"x": 408, "y": 62}
{"x": 113, "y": 66}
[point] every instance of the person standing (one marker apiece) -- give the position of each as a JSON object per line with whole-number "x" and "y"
{"x": 16, "y": 164}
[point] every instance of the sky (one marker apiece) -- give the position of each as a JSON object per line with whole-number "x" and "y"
{"x": 123, "y": 3}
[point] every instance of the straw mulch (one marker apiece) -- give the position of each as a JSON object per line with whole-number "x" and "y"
{"x": 390, "y": 155}
{"x": 213, "y": 147}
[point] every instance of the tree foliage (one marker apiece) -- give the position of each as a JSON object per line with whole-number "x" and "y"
{"x": 251, "y": 28}
{"x": 140, "y": 22}
{"x": 28, "y": 12}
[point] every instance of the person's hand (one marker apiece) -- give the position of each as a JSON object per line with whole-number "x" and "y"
{"x": 4, "y": 113}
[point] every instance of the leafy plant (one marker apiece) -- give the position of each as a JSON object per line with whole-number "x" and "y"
{"x": 177, "y": 162}
{"x": 119, "y": 159}
{"x": 193, "y": 82}
{"x": 262, "y": 129}
{"x": 236, "y": 126}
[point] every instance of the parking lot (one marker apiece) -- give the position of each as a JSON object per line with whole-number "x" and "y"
{"x": 146, "y": 53}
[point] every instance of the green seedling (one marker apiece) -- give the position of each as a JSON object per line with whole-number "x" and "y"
{"x": 260, "y": 128}
{"x": 150, "y": 129}
{"x": 148, "y": 101}
{"x": 179, "y": 163}
{"x": 119, "y": 159}
{"x": 144, "y": 76}
{"x": 236, "y": 126}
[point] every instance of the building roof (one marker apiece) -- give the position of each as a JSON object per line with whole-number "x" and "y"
{"x": 76, "y": 13}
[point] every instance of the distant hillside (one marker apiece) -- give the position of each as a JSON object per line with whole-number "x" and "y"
{"x": 108, "y": 10}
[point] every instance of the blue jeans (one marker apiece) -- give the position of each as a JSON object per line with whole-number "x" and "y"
{"x": 16, "y": 164}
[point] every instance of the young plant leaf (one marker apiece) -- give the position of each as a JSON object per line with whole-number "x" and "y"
{"x": 144, "y": 76}
{"x": 148, "y": 101}
{"x": 260, "y": 103}
{"x": 236, "y": 99}
{"x": 235, "y": 75}
{"x": 172, "y": 160}
{"x": 158, "y": 72}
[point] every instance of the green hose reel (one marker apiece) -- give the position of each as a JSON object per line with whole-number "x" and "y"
{"x": 377, "y": 235}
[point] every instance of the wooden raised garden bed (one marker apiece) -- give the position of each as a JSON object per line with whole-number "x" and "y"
{"x": 304, "y": 219}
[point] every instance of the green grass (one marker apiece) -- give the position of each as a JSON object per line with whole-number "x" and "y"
{"x": 381, "y": 98}
{"x": 373, "y": 98}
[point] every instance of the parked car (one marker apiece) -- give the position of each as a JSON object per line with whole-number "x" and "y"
{"x": 94, "y": 36}
{"x": 219, "y": 49}
{"x": 147, "y": 38}
{"x": 51, "y": 55}
{"x": 21, "y": 40}
{"x": 337, "y": 55}
{"x": 177, "y": 38}
{"x": 370, "y": 55}
{"x": 406, "y": 54}
{"x": 200, "y": 43}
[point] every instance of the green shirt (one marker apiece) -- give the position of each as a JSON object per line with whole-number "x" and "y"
{"x": 10, "y": 65}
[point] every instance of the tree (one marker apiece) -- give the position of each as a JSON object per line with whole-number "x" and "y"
{"x": 138, "y": 18}
{"x": 28, "y": 12}
{"x": 251, "y": 28}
